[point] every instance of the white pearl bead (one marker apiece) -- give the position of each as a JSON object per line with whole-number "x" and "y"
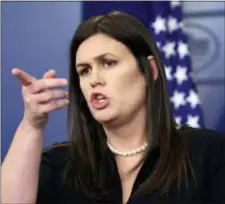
{"x": 129, "y": 153}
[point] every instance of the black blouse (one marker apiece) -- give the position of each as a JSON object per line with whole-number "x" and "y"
{"x": 207, "y": 155}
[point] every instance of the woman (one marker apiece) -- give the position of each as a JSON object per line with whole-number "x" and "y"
{"x": 124, "y": 146}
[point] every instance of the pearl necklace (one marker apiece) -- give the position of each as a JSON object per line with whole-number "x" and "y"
{"x": 128, "y": 153}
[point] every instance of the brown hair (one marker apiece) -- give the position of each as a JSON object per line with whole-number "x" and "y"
{"x": 90, "y": 167}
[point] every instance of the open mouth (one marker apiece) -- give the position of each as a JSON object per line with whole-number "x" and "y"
{"x": 100, "y": 98}
{"x": 99, "y": 101}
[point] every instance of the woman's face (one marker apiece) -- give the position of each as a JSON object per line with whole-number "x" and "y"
{"x": 110, "y": 80}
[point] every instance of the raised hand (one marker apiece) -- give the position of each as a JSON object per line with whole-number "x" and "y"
{"x": 40, "y": 97}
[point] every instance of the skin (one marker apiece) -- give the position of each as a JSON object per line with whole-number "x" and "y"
{"x": 113, "y": 71}
{"x": 115, "y": 74}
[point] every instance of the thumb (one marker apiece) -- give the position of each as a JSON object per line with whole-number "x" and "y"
{"x": 50, "y": 74}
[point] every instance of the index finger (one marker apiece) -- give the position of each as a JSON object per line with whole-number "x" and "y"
{"x": 25, "y": 78}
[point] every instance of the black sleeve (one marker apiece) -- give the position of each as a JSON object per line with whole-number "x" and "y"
{"x": 217, "y": 180}
{"x": 46, "y": 187}
{"x": 52, "y": 163}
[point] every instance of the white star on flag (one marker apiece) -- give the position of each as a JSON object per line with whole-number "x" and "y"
{"x": 182, "y": 49}
{"x": 178, "y": 99}
{"x": 172, "y": 24}
{"x": 169, "y": 49}
{"x": 159, "y": 25}
{"x": 193, "y": 121}
{"x": 181, "y": 74}
{"x": 193, "y": 99}
{"x": 168, "y": 70}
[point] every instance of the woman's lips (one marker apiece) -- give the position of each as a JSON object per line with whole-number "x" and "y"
{"x": 99, "y": 101}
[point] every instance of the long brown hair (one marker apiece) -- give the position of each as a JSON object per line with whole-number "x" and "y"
{"x": 90, "y": 168}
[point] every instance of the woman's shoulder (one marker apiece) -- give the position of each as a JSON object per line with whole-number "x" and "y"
{"x": 56, "y": 153}
{"x": 207, "y": 155}
{"x": 204, "y": 142}
{"x": 202, "y": 136}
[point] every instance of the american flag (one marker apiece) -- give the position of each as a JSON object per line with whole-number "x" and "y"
{"x": 165, "y": 20}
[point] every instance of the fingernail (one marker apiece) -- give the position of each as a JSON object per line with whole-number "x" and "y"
{"x": 13, "y": 71}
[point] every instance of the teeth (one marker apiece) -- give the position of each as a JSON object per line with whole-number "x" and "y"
{"x": 100, "y": 97}
{"x": 101, "y": 100}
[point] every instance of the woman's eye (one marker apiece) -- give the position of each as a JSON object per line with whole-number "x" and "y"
{"x": 109, "y": 63}
{"x": 84, "y": 71}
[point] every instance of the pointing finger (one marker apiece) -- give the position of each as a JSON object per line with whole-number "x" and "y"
{"x": 25, "y": 78}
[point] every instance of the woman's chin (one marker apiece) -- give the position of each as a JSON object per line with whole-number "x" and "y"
{"x": 103, "y": 119}
{"x": 103, "y": 116}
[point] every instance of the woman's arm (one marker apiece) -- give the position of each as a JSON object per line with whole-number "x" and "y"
{"x": 20, "y": 169}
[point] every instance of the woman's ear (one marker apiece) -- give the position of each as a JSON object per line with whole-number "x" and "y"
{"x": 153, "y": 66}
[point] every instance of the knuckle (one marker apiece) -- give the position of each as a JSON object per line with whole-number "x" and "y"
{"x": 34, "y": 87}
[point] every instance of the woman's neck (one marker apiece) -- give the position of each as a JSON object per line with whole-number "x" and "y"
{"x": 129, "y": 135}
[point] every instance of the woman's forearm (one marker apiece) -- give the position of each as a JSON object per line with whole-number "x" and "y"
{"x": 20, "y": 169}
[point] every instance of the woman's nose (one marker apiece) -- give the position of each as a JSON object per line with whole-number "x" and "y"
{"x": 96, "y": 79}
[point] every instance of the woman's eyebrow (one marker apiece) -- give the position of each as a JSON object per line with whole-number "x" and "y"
{"x": 84, "y": 64}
